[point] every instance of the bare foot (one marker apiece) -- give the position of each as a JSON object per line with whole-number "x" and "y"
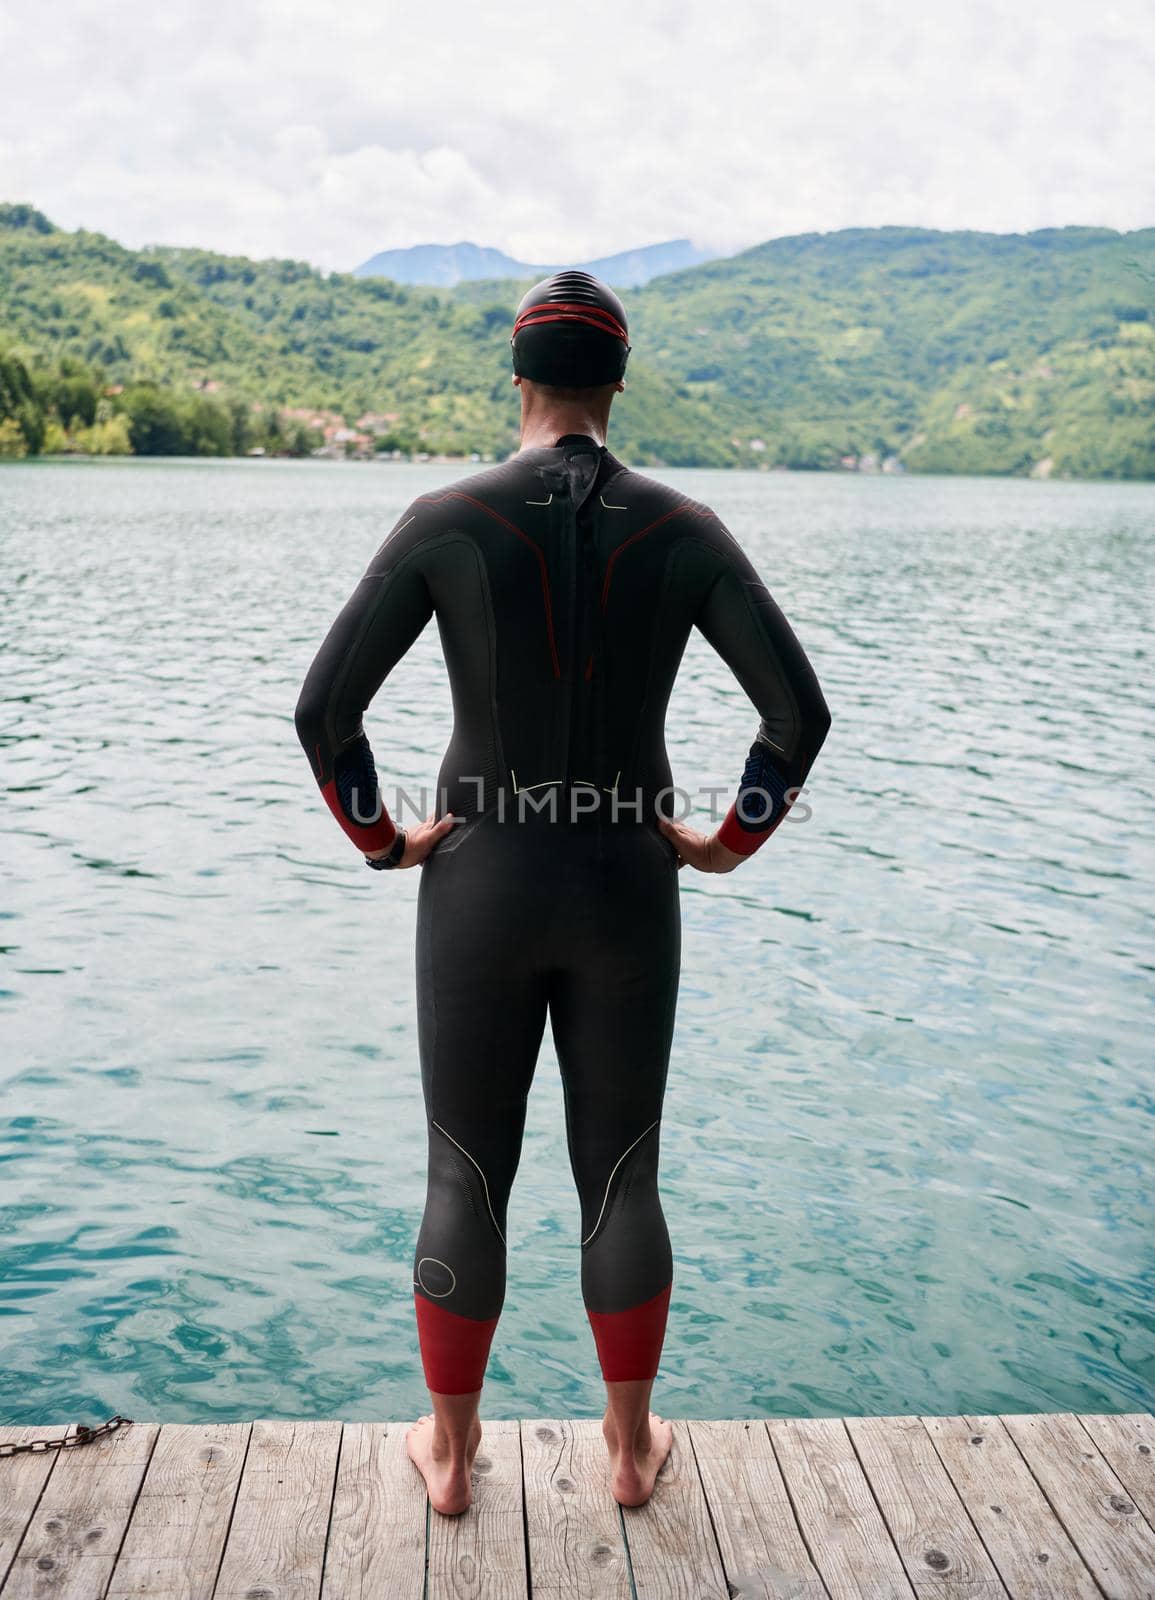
{"x": 634, "y": 1467}
{"x": 446, "y": 1469}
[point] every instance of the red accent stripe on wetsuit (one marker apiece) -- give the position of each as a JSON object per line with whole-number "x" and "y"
{"x": 630, "y": 1342}
{"x": 691, "y": 506}
{"x": 744, "y": 841}
{"x": 456, "y": 494}
{"x": 377, "y": 835}
{"x": 571, "y": 311}
{"x": 454, "y": 1349}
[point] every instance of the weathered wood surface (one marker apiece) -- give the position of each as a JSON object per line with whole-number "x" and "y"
{"x": 377, "y": 1534}
{"x": 942, "y": 1553}
{"x": 280, "y": 1519}
{"x": 1014, "y": 1518}
{"x": 763, "y": 1553}
{"x": 671, "y": 1545}
{"x": 836, "y": 1511}
{"x": 176, "y": 1538}
{"x": 1031, "y": 1507}
{"x": 577, "y": 1547}
{"x": 76, "y": 1528}
{"x": 1112, "y": 1534}
{"x": 482, "y": 1553}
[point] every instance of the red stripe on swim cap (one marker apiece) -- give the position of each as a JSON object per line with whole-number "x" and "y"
{"x": 571, "y": 311}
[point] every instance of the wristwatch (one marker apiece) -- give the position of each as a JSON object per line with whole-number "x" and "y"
{"x": 393, "y": 856}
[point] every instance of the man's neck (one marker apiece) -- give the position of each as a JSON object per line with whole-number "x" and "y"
{"x": 553, "y": 425}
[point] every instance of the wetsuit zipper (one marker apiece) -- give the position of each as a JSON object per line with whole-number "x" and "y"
{"x": 571, "y": 561}
{"x": 581, "y": 764}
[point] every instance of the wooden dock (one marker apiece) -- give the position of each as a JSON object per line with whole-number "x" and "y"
{"x": 1050, "y": 1507}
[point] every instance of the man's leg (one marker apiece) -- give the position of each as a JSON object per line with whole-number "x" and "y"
{"x": 481, "y": 1015}
{"x": 612, "y": 1011}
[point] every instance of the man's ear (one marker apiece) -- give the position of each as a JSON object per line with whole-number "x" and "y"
{"x": 516, "y": 380}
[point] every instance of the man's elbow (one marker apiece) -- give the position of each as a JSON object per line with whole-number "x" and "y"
{"x": 309, "y": 718}
{"x": 817, "y": 722}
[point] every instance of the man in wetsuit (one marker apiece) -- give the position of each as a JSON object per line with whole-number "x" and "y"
{"x": 565, "y": 587}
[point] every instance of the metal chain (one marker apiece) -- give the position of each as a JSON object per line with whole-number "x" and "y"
{"x": 82, "y": 1435}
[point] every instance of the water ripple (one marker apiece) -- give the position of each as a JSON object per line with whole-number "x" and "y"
{"x": 907, "y": 1145}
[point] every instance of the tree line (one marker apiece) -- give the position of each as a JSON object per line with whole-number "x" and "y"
{"x": 72, "y": 409}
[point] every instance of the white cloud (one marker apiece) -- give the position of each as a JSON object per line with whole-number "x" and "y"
{"x": 308, "y": 128}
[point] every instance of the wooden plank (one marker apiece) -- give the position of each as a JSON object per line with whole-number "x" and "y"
{"x": 940, "y": 1549}
{"x": 673, "y": 1552}
{"x": 1127, "y": 1443}
{"x": 1025, "y": 1540}
{"x": 846, "y": 1535}
{"x": 23, "y": 1478}
{"x": 75, "y": 1531}
{"x": 573, "y": 1526}
{"x": 1113, "y": 1537}
{"x": 276, "y": 1543}
{"x": 480, "y": 1555}
{"x": 377, "y": 1533}
{"x": 763, "y": 1553}
{"x": 176, "y": 1535}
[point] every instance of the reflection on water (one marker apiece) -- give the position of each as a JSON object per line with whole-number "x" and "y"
{"x": 908, "y": 1133}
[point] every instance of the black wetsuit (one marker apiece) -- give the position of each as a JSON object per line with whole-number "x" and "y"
{"x": 565, "y": 587}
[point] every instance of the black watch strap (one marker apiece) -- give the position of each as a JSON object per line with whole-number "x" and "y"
{"x": 392, "y": 857}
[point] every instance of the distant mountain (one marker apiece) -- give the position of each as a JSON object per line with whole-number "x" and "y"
{"x": 631, "y": 268}
{"x": 442, "y": 266}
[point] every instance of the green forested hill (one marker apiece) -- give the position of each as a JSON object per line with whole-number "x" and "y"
{"x": 951, "y": 352}
{"x": 961, "y": 352}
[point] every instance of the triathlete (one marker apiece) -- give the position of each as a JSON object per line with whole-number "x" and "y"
{"x": 565, "y": 586}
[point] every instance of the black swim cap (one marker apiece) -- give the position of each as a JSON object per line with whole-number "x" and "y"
{"x": 570, "y": 330}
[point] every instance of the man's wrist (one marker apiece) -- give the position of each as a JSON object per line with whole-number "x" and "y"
{"x": 392, "y": 856}
{"x": 726, "y": 857}
{"x": 738, "y": 840}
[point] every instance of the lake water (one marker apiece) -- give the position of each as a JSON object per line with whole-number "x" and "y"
{"x": 908, "y": 1136}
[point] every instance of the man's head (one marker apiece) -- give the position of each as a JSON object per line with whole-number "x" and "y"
{"x": 570, "y": 333}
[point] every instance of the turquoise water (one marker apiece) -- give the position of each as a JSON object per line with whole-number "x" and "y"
{"x": 907, "y": 1148}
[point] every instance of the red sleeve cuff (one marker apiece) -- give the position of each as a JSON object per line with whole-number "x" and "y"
{"x": 377, "y": 835}
{"x": 739, "y": 839}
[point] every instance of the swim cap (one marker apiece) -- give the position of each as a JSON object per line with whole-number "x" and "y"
{"x": 570, "y": 330}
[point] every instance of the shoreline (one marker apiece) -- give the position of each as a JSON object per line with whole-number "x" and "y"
{"x": 78, "y": 457}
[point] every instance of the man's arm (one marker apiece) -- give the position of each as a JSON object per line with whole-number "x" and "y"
{"x": 750, "y": 633}
{"x": 380, "y": 620}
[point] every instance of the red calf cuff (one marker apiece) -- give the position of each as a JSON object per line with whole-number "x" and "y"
{"x": 630, "y": 1342}
{"x": 454, "y": 1349}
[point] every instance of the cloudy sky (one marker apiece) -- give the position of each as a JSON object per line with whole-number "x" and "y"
{"x": 331, "y": 130}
